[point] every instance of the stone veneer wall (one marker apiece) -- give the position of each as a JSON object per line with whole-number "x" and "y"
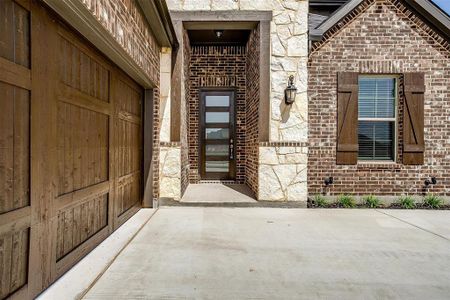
{"x": 170, "y": 170}
{"x": 216, "y": 66}
{"x": 252, "y": 112}
{"x": 380, "y": 37}
{"x": 289, "y": 43}
{"x": 283, "y": 172}
{"x": 174, "y": 156}
{"x": 289, "y": 55}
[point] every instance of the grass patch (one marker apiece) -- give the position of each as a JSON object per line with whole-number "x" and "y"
{"x": 320, "y": 201}
{"x": 371, "y": 201}
{"x": 346, "y": 201}
{"x": 432, "y": 201}
{"x": 407, "y": 202}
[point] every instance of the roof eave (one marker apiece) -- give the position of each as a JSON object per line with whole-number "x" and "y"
{"x": 439, "y": 20}
{"x": 436, "y": 17}
{"x": 157, "y": 14}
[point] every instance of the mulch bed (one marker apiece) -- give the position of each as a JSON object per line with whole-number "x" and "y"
{"x": 392, "y": 206}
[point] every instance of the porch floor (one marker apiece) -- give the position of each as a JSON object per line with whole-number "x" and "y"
{"x": 218, "y": 193}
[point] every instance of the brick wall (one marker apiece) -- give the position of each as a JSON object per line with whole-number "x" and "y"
{"x": 126, "y": 22}
{"x": 251, "y": 112}
{"x": 184, "y": 110}
{"x": 380, "y": 37}
{"x": 217, "y": 66}
{"x": 156, "y": 143}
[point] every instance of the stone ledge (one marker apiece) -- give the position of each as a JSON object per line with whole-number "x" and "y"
{"x": 170, "y": 144}
{"x": 284, "y": 144}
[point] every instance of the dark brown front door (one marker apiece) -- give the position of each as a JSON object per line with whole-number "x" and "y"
{"x": 217, "y": 135}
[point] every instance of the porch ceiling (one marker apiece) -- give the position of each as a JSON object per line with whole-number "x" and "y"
{"x": 208, "y": 37}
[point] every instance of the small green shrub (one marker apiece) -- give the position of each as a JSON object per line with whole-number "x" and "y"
{"x": 346, "y": 201}
{"x": 371, "y": 201}
{"x": 432, "y": 201}
{"x": 407, "y": 202}
{"x": 319, "y": 201}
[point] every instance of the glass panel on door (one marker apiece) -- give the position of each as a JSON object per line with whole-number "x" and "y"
{"x": 217, "y": 150}
{"x": 217, "y": 101}
{"x": 217, "y": 117}
{"x": 217, "y": 133}
{"x": 217, "y": 166}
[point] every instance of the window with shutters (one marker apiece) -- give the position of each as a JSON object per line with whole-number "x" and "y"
{"x": 377, "y": 118}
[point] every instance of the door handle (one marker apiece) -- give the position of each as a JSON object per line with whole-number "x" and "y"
{"x": 231, "y": 149}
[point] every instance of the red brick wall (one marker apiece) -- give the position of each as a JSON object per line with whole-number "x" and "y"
{"x": 251, "y": 112}
{"x": 185, "y": 167}
{"x": 126, "y": 22}
{"x": 381, "y": 37}
{"x": 217, "y": 66}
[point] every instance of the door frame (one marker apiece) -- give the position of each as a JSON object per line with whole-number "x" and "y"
{"x": 201, "y": 134}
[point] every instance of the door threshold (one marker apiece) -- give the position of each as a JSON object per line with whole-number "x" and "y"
{"x": 218, "y": 181}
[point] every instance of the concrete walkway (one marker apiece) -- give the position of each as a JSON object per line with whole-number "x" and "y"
{"x": 218, "y": 193}
{"x": 270, "y": 253}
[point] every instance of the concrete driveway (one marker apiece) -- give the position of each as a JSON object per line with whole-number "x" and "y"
{"x": 270, "y": 253}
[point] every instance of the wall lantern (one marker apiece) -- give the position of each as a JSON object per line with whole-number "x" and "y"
{"x": 290, "y": 91}
{"x": 218, "y": 33}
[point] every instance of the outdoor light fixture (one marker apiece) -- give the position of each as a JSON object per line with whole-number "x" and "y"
{"x": 328, "y": 181}
{"x": 431, "y": 180}
{"x": 290, "y": 91}
{"x": 218, "y": 33}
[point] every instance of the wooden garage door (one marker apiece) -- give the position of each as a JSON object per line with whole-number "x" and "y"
{"x": 15, "y": 86}
{"x": 70, "y": 148}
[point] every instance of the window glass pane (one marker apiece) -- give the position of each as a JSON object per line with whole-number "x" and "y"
{"x": 214, "y": 101}
{"x": 216, "y": 150}
{"x": 376, "y": 140}
{"x": 217, "y": 117}
{"x": 217, "y": 133}
{"x": 217, "y": 166}
{"x": 376, "y": 97}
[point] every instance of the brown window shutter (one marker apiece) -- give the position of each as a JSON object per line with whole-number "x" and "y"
{"x": 413, "y": 119}
{"x": 347, "y": 119}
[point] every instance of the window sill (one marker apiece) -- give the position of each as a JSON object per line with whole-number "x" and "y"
{"x": 378, "y": 165}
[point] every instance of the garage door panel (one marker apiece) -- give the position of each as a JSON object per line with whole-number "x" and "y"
{"x": 129, "y": 138}
{"x": 129, "y": 98}
{"x": 14, "y": 147}
{"x": 83, "y": 142}
{"x": 128, "y": 191}
{"x": 14, "y": 250}
{"x": 81, "y": 71}
{"x": 14, "y": 33}
{"x": 77, "y": 224}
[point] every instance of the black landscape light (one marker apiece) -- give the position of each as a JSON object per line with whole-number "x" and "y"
{"x": 328, "y": 181}
{"x": 431, "y": 180}
{"x": 290, "y": 91}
